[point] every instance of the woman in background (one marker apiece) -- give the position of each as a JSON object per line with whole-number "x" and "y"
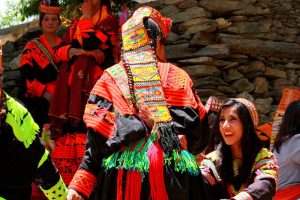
{"x": 38, "y": 68}
{"x": 287, "y": 151}
{"x": 87, "y": 49}
{"x": 240, "y": 168}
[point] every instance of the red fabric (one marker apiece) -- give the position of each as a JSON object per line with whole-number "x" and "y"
{"x": 37, "y": 194}
{"x": 156, "y": 173}
{"x": 133, "y": 185}
{"x": 35, "y": 88}
{"x": 74, "y": 82}
{"x": 32, "y": 56}
{"x": 83, "y": 182}
{"x": 68, "y": 153}
{"x": 85, "y": 25}
{"x": 61, "y": 54}
{"x": 119, "y": 184}
{"x": 290, "y": 193}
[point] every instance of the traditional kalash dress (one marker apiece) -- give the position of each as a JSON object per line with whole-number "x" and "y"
{"x": 39, "y": 72}
{"x": 75, "y": 80}
{"x": 259, "y": 185}
{"x": 23, "y": 159}
{"x": 133, "y": 150}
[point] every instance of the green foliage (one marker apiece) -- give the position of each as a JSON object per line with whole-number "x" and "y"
{"x": 70, "y": 8}
{"x": 10, "y": 16}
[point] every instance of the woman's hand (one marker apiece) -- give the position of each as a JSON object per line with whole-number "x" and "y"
{"x": 97, "y": 54}
{"x": 76, "y": 52}
{"x": 74, "y": 195}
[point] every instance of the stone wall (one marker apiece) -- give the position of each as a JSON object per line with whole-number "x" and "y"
{"x": 237, "y": 48}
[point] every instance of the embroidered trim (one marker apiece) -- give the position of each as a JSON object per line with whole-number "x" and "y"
{"x": 83, "y": 182}
{"x": 58, "y": 191}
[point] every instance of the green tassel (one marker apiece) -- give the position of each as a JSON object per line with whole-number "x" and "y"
{"x": 183, "y": 162}
{"x": 23, "y": 125}
{"x": 111, "y": 161}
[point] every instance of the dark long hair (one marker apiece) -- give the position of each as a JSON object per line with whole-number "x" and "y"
{"x": 250, "y": 143}
{"x": 153, "y": 31}
{"x": 290, "y": 125}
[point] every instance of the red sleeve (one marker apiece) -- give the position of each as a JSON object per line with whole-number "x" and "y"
{"x": 61, "y": 53}
{"x": 83, "y": 182}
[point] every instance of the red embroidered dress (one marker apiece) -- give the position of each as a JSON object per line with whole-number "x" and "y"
{"x": 38, "y": 75}
{"x": 75, "y": 80}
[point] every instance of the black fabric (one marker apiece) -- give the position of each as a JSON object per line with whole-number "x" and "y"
{"x": 186, "y": 120}
{"x": 93, "y": 152}
{"x": 38, "y": 108}
{"x": 129, "y": 129}
{"x": 18, "y": 167}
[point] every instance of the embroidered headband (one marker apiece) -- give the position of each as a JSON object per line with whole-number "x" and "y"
{"x": 251, "y": 108}
{"x": 45, "y": 7}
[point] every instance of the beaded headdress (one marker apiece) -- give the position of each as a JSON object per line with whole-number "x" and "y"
{"x": 143, "y": 77}
{"x": 47, "y": 7}
{"x": 251, "y": 108}
{"x": 214, "y": 104}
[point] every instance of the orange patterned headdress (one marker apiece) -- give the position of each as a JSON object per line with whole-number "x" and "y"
{"x": 251, "y": 108}
{"x": 47, "y": 7}
{"x": 143, "y": 77}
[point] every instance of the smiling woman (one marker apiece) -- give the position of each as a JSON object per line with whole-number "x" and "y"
{"x": 240, "y": 168}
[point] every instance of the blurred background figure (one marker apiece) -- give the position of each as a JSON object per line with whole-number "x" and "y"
{"x": 38, "y": 68}
{"x": 287, "y": 152}
{"x": 87, "y": 49}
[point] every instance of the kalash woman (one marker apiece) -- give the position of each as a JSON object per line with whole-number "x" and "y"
{"x": 134, "y": 114}
{"x": 38, "y": 66}
{"x": 240, "y": 168}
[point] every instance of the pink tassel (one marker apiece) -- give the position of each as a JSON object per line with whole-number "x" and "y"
{"x": 156, "y": 173}
{"x": 124, "y": 14}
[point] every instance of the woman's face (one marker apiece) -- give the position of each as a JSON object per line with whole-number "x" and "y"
{"x": 50, "y": 23}
{"x": 231, "y": 126}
